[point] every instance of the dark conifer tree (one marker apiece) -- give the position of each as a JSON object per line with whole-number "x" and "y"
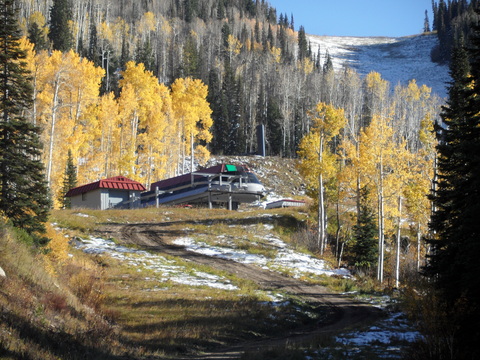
{"x": 256, "y": 32}
{"x": 455, "y": 223}
{"x": 191, "y": 59}
{"x": 69, "y": 181}
{"x": 273, "y": 127}
{"x": 60, "y": 34}
{"x": 250, "y": 8}
{"x": 220, "y": 10}
{"x": 92, "y": 52}
{"x": 426, "y": 23}
{"x": 214, "y": 98}
{"x": 231, "y": 100}
{"x": 270, "y": 36}
{"x": 302, "y": 44}
{"x": 145, "y": 55}
{"x": 190, "y": 9}
{"x": 285, "y": 21}
{"x": 272, "y": 16}
{"x": 23, "y": 189}
{"x": 365, "y": 249}
{"x": 226, "y": 32}
{"x": 328, "y": 65}
{"x": 37, "y": 37}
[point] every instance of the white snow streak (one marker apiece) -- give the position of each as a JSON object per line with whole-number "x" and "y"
{"x": 286, "y": 259}
{"x": 398, "y": 60}
{"x": 165, "y": 269}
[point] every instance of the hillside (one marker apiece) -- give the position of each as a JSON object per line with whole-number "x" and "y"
{"x": 399, "y": 60}
{"x": 247, "y": 65}
{"x": 174, "y": 283}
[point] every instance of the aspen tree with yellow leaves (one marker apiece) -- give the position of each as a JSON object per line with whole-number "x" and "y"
{"x": 317, "y": 161}
{"x": 233, "y": 47}
{"x": 377, "y": 159}
{"x": 400, "y": 175}
{"x": 193, "y": 116}
{"x": 99, "y": 151}
{"x": 375, "y": 97}
{"x": 66, "y": 86}
{"x": 418, "y": 204}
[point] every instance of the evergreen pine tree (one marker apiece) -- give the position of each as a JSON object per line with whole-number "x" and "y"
{"x": 191, "y": 8}
{"x": 302, "y": 44}
{"x": 365, "y": 232}
{"x": 328, "y": 65}
{"x": 60, "y": 34}
{"x": 273, "y": 127}
{"x": 69, "y": 181}
{"x": 37, "y": 37}
{"x": 219, "y": 106}
{"x": 220, "y": 10}
{"x": 191, "y": 59}
{"x": 23, "y": 189}
{"x": 250, "y": 8}
{"x": 426, "y": 23}
{"x": 231, "y": 104}
{"x": 92, "y": 52}
{"x": 455, "y": 223}
{"x": 145, "y": 55}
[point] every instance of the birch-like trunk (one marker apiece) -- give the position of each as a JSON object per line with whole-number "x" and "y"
{"x": 397, "y": 259}
{"x": 321, "y": 216}
{"x": 321, "y": 203}
{"x": 191, "y": 153}
{"x": 52, "y": 133}
{"x": 419, "y": 242}
{"x": 381, "y": 216}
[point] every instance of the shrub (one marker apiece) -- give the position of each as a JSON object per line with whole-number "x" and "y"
{"x": 54, "y": 301}
{"x": 86, "y": 286}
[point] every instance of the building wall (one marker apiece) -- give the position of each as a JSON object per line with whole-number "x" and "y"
{"x": 107, "y": 198}
{"x": 89, "y": 200}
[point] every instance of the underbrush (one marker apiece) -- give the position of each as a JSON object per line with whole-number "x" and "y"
{"x": 171, "y": 318}
{"x": 165, "y": 318}
{"x": 50, "y": 303}
{"x": 162, "y": 318}
{"x": 434, "y": 321}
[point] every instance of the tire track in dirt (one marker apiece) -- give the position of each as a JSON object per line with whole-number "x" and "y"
{"x": 343, "y": 311}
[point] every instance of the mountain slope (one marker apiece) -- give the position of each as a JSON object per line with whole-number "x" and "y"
{"x": 399, "y": 60}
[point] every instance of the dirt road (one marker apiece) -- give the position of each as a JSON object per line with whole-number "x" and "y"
{"x": 341, "y": 311}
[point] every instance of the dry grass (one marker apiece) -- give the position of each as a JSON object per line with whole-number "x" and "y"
{"x": 41, "y": 317}
{"x": 98, "y": 304}
{"x": 164, "y": 318}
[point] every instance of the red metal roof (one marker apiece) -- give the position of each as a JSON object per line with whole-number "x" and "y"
{"x": 117, "y": 182}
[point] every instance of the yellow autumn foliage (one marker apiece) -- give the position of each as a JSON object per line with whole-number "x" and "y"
{"x": 142, "y": 134}
{"x": 57, "y": 249}
{"x": 314, "y": 152}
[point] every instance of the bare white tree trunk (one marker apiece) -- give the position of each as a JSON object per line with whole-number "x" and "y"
{"x": 191, "y": 153}
{"x": 381, "y": 232}
{"x": 419, "y": 243}
{"x": 321, "y": 204}
{"x": 52, "y": 131}
{"x": 397, "y": 260}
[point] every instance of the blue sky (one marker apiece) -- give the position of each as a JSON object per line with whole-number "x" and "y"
{"x": 357, "y": 17}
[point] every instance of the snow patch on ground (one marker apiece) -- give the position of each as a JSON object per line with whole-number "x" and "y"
{"x": 297, "y": 264}
{"x": 164, "y": 269}
{"x": 385, "y": 338}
